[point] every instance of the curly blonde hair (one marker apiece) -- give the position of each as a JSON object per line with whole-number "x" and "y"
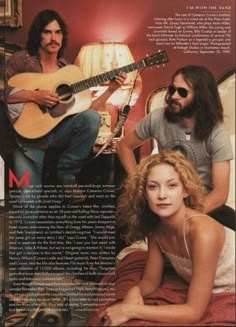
{"x": 133, "y": 212}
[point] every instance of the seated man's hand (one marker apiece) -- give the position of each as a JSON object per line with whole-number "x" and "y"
{"x": 117, "y": 81}
{"x": 46, "y": 98}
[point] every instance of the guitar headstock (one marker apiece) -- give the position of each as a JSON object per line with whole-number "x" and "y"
{"x": 156, "y": 58}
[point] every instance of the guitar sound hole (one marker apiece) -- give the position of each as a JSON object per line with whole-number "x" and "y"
{"x": 64, "y": 92}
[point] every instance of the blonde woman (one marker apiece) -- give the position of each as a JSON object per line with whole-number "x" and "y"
{"x": 201, "y": 250}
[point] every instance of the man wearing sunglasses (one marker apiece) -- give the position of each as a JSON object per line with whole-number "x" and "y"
{"x": 191, "y": 122}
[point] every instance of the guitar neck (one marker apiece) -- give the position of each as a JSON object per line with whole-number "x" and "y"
{"x": 99, "y": 79}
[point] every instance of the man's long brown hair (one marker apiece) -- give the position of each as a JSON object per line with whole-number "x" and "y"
{"x": 209, "y": 110}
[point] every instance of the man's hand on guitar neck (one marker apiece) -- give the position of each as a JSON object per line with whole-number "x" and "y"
{"x": 117, "y": 82}
{"x": 113, "y": 86}
{"x": 41, "y": 97}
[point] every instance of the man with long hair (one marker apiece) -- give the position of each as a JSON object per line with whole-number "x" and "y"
{"x": 75, "y": 135}
{"x": 191, "y": 122}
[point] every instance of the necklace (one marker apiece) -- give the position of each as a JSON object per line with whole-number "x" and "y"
{"x": 187, "y": 128}
{"x": 188, "y": 135}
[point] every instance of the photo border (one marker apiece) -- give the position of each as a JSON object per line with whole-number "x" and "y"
{"x": 11, "y": 13}
{"x": 6, "y": 51}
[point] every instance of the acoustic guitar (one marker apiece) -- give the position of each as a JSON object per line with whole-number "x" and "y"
{"x": 68, "y": 82}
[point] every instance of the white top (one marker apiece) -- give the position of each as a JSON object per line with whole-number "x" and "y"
{"x": 225, "y": 272}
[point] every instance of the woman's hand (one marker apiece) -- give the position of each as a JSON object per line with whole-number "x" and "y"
{"x": 134, "y": 296}
{"x": 116, "y": 314}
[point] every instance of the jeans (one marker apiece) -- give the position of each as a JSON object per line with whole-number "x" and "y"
{"x": 75, "y": 136}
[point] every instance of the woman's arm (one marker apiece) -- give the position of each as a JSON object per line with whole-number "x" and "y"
{"x": 151, "y": 277}
{"x": 206, "y": 241}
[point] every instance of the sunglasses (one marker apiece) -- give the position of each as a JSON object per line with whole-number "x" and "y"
{"x": 181, "y": 91}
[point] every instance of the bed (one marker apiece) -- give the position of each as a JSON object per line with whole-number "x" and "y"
{"x": 220, "y": 312}
{"x": 131, "y": 260}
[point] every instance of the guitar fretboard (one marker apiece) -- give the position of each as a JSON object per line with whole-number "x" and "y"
{"x": 99, "y": 79}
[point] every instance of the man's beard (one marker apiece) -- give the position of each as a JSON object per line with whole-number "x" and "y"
{"x": 183, "y": 112}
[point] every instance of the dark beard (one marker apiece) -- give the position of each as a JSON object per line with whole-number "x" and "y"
{"x": 185, "y": 112}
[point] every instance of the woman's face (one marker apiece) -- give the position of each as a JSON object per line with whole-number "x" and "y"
{"x": 164, "y": 190}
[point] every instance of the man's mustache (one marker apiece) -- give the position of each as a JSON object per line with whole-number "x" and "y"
{"x": 53, "y": 43}
{"x": 170, "y": 102}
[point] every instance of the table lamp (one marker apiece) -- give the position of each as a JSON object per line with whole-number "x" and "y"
{"x": 100, "y": 57}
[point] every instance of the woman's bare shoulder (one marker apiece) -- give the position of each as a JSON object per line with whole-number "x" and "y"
{"x": 204, "y": 228}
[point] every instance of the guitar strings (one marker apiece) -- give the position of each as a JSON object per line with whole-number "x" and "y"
{"x": 66, "y": 88}
{"x": 85, "y": 161}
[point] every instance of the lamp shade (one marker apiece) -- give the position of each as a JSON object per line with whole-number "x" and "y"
{"x": 100, "y": 57}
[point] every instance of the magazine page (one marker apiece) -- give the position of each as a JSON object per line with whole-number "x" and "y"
{"x": 75, "y": 79}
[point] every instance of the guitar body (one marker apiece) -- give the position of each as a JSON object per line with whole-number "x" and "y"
{"x": 73, "y": 91}
{"x": 35, "y": 122}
